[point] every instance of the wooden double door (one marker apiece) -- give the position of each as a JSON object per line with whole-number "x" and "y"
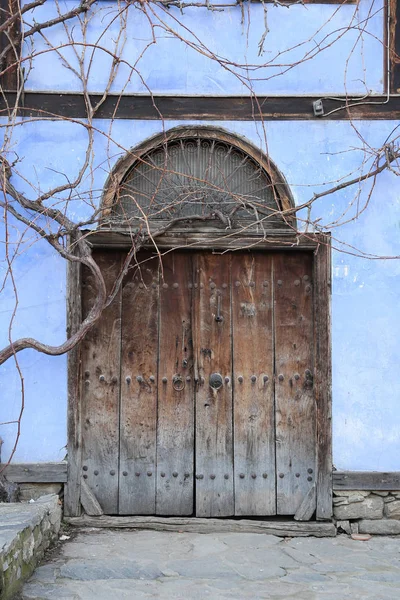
{"x": 198, "y": 385}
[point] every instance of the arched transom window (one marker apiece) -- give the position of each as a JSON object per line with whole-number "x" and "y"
{"x": 200, "y": 175}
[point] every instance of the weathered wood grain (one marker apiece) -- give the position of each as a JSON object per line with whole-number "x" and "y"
{"x": 138, "y": 416}
{"x": 100, "y": 395}
{"x": 46, "y": 472}
{"x": 294, "y": 397}
{"x": 308, "y": 506}
{"x": 89, "y": 501}
{"x": 323, "y": 376}
{"x": 273, "y": 527}
{"x": 175, "y": 427}
{"x": 72, "y": 492}
{"x": 214, "y": 443}
{"x": 253, "y": 358}
{"x": 366, "y": 480}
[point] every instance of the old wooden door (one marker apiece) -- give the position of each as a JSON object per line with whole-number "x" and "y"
{"x": 198, "y": 395}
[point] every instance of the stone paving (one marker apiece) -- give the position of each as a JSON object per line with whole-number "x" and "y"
{"x": 120, "y": 564}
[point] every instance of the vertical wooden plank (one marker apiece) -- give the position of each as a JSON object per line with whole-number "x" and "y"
{"x": 100, "y": 394}
{"x": 9, "y": 66}
{"x": 294, "y": 396}
{"x": 175, "y": 466}
{"x": 323, "y": 376}
{"x": 138, "y": 417}
{"x": 253, "y": 366}
{"x": 214, "y": 446}
{"x": 72, "y": 490}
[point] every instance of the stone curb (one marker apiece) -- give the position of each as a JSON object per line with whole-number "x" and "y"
{"x": 26, "y": 531}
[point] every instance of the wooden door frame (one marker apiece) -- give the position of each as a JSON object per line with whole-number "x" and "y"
{"x": 318, "y": 244}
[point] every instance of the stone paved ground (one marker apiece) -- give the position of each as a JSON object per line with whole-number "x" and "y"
{"x": 111, "y": 565}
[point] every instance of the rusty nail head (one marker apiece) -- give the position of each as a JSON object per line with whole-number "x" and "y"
{"x": 139, "y": 378}
{"x": 87, "y": 374}
{"x": 149, "y": 473}
{"x": 265, "y": 378}
{"x": 128, "y": 380}
{"x": 240, "y": 379}
{"x": 112, "y": 472}
{"x": 102, "y": 378}
{"x": 253, "y": 378}
{"x": 309, "y": 471}
{"x": 165, "y": 285}
{"x": 226, "y": 476}
{"x": 96, "y": 472}
{"x": 212, "y": 285}
{"x": 297, "y": 282}
{"x": 152, "y": 378}
{"x": 175, "y": 474}
{"x": 280, "y": 281}
{"x": 137, "y": 474}
{"x": 265, "y": 475}
{"x": 212, "y": 476}
{"x": 265, "y": 283}
{"x": 297, "y": 376}
{"x": 164, "y": 380}
{"x": 114, "y": 379}
{"x": 241, "y": 475}
{"x": 297, "y": 474}
{"x": 124, "y": 473}
{"x": 237, "y": 283}
{"x": 253, "y": 476}
{"x": 309, "y": 478}
{"x": 162, "y": 474}
{"x": 85, "y": 468}
{"x": 85, "y": 476}
{"x": 87, "y": 382}
{"x": 227, "y": 380}
{"x": 306, "y": 278}
{"x": 188, "y": 378}
{"x": 281, "y": 475}
{"x": 281, "y": 378}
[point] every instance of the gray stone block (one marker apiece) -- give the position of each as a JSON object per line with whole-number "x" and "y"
{"x": 381, "y": 527}
{"x": 370, "y": 508}
{"x": 392, "y": 510}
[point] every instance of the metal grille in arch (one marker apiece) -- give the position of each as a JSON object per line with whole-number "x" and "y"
{"x": 198, "y": 176}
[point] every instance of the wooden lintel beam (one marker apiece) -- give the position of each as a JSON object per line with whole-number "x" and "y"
{"x": 46, "y": 472}
{"x": 209, "y": 108}
{"x": 366, "y": 480}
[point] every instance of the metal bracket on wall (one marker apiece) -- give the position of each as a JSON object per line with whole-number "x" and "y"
{"x": 318, "y": 108}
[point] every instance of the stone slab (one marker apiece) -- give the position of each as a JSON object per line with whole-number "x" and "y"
{"x": 26, "y": 531}
{"x": 381, "y": 527}
{"x": 99, "y": 564}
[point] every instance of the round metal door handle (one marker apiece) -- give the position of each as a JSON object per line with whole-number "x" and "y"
{"x": 216, "y": 381}
{"x": 178, "y": 383}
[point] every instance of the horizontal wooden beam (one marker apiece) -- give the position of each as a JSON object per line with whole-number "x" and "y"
{"x": 222, "y": 239}
{"x": 210, "y": 108}
{"x": 46, "y": 472}
{"x": 198, "y": 525}
{"x": 366, "y": 480}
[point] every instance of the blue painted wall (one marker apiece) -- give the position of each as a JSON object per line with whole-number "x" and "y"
{"x": 311, "y": 155}
{"x": 366, "y": 346}
{"x": 340, "y": 48}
